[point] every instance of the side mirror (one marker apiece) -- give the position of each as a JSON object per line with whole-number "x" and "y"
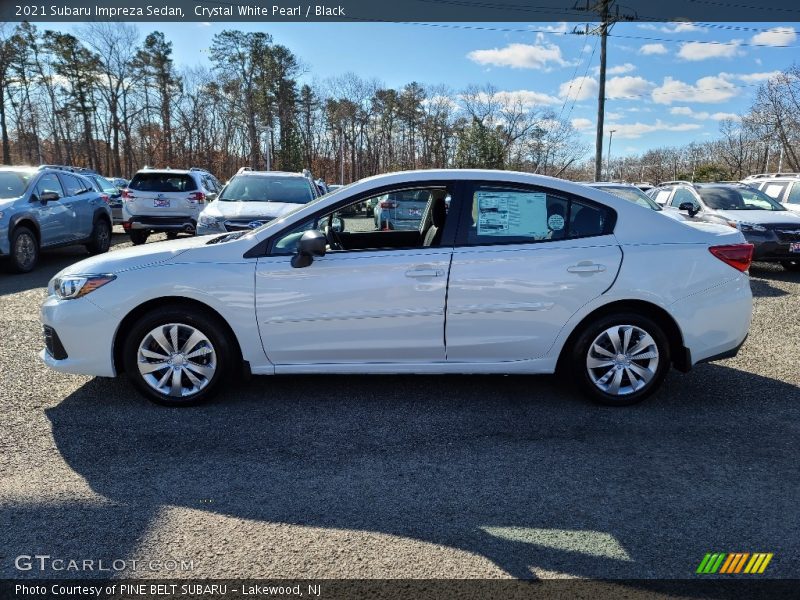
{"x": 49, "y": 197}
{"x": 689, "y": 207}
{"x": 313, "y": 243}
{"x": 337, "y": 224}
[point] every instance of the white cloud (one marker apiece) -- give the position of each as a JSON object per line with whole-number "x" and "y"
{"x": 706, "y": 90}
{"x": 753, "y": 77}
{"x": 627, "y": 87}
{"x": 581, "y": 124}
{"x": 649, "y": 49}
{"x": 777, "y": 36}
{"x": 636, "y": 130}
{"x": 527, "y": 98}
{"x": 620, "y": 69}
{"x": 702, "y": 51}
{"x": 558, "y": 28}
{"x": 520, "y": 56}
{"x": 703, "y": 115}
{"x": 580, "y": 88}
{"x": 674, "y": 27}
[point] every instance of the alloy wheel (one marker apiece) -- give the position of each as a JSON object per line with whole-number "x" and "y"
{"x": 176, "y": 360}
{"x": 25, "y": 250}
{"x": 622, "y": 360}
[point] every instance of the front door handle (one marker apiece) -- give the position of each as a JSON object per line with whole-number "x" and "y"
{"x": 424, "y": 273}
{"x": 586, "y": 267}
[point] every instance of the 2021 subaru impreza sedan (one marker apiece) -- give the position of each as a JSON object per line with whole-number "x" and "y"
{"x": 505, "y": 273}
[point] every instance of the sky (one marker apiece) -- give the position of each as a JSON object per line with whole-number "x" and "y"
{"x": 667, "y": 83}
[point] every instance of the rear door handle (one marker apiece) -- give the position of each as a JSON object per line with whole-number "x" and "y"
{"x": 424, "y": 273}
{"x": 586, "y": 267}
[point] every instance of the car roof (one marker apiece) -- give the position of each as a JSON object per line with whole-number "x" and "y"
{"x": 602, "y": 184}
{"x": 271, "y": 174}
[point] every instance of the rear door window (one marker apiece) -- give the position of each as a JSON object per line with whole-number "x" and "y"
{"x": 162, "y": 182}
{"x": 794, "y": 194}
{"x": 73, "y": 186}
{"x": 775, "y": 189}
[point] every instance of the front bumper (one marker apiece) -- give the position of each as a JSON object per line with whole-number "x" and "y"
{"x": 86, "y": 336}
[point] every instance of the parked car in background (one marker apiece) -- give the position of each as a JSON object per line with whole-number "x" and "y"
{"x": 110, "y": 193}
{"x": 783, "y": 187}
{"x": 120, "y": 182}
{"x": 400, "y": 210}
{"x": 166, "y": 200}
{"x": 252, "y": 198}
{"x": 44, "y": 208}
{"x": 773, "y": 230}
{"x": 632, "y": 193}
{"x": 644, "y": 186}
{"x": 525, "y": 274}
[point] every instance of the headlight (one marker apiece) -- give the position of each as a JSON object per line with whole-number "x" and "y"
{"x": 68, "y": 287}
{"x": 750, "y": 227}
{"x": 209, "y": 221}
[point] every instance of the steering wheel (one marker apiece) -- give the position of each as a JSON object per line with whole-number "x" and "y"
{"x": 333, "y": 239}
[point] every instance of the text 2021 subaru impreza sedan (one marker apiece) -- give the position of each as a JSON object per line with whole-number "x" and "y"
{"x": 505, "y": 273}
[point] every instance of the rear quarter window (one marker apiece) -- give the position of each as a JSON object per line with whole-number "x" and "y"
{"x": 162, "y": 182}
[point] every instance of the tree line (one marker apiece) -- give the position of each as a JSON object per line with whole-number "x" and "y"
{"x": 107, "y": 99}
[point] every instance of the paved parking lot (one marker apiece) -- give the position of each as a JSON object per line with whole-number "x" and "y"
{"x": 473, "y": 476}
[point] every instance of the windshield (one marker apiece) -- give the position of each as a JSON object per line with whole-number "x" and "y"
{"x": 731, "y": 198}
{"x": 247, "y": 188}
{"x": 632, "y": 194}
{"x": 14, "y": 183}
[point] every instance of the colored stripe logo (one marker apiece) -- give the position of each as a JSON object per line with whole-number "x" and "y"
{"x": 731, "y": 563}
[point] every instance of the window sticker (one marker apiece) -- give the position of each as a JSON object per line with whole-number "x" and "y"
{"x": 513, "y": 214}
{"x": 774, "y": 191}
{"x": 555, "y": 222}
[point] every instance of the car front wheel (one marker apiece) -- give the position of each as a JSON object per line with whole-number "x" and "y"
{"x": 621, "y": 359}
{"x": 791, "y": 265}
{"x": 177, "y": 356}
{"x": 24, "y": 250}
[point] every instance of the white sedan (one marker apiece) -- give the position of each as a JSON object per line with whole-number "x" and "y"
{"x": 506, "y": 273}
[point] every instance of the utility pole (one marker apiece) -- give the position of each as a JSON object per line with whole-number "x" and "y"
{"x": 601, "y": 94}
{"x": 608, "y": 156}
{"x": 341, "y": 151}
{"x": 269, "y": 149}
{"x": 603, "y": 9}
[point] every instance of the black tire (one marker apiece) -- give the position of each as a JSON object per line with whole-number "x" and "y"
{"x": 224, "y": 351}
{"x": 24, "y": 250}
{"x": 580, "y": 373}
{"x": 791, "y": 265}
{"x": 172, "y": 235}
{"x": 101, "y": 237}
{"x": 138, "y": 236}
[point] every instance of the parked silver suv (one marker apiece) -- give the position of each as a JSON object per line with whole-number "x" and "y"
{"x": 783, "y": 187}
{"x": 167, "y": 200}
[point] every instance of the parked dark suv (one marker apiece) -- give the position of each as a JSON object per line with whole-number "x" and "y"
{"x": 43, "y": 207}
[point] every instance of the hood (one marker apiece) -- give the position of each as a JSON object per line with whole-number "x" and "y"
{"x": 250, "y": 210}
{"x": 760, "y": 217}
{"x": 7, "y": 202}
{"x": 135, "y": 257}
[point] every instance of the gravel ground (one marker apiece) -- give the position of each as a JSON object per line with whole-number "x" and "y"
{"x": 378, "y": 476}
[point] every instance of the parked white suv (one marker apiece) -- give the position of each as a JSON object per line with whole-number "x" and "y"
{"x": 252, "y": 198}
{"x": 783, "y": 187}
{"x": 523, "y": 274}
{"x": 170, "y": 200}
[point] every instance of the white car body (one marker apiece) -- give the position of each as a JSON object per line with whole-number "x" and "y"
{"x": 462, "y": 309}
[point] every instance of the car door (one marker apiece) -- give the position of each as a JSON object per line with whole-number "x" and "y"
{"x": 379, "y": 300}
{"x": 54, "y": 216}
{"x": 526, "y": 260}
{"x": 81, "y": 201}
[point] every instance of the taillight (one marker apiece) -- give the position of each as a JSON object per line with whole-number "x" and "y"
{"x": 105, "y": 198}
{"x": 198, "y": 197}
{"x": 739, "y": 256}
{"x": 127, "y": 194}
{"x": 388, "y": 204}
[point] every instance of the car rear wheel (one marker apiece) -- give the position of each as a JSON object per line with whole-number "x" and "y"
{"x": 101, "y": 237}
{"x": 621, "y": 359}
{"x": 139, "y": 236}
{"x": 24, "y": 250}
{"x": 177, "y": 356}
{"x": 791, "y": 265}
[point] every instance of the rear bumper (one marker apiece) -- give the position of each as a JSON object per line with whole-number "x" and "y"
{"x": 186, "y": 224}
{"x": 716, "y": 321}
